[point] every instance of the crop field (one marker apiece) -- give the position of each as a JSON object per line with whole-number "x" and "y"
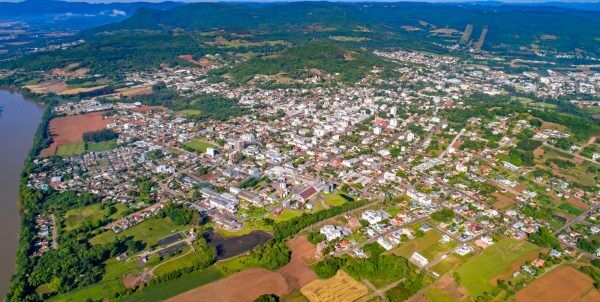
{"x": 199, "y": 145}
{"x": 564, "y": 283}
{"x": 69, "y": 129}
{"x": 244, "y": 286}
{"x": 340, "y": 287}
{"x": 478, "y": 273}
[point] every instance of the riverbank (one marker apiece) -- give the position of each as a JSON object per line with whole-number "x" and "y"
{"x": 19, "y": 122}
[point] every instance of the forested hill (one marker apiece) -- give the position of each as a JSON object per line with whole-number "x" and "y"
{"x": 509, "y": 27}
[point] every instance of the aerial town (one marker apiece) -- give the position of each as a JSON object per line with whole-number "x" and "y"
{"x": 313, "y": 152}
{"x": 441, "y": 187}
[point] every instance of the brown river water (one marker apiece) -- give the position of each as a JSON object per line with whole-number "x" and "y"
{"x": 19, "y": 119}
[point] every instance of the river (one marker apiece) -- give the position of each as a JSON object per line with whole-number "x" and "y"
{"x": 19, "y": 119}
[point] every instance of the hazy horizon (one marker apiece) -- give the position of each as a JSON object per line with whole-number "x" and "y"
{"x": 391, "y": 1}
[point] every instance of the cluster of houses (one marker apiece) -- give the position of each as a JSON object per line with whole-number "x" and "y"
{"x": 43, "y": 239}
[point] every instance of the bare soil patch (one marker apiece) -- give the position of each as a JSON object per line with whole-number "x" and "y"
{"x": 297, "y": 272}
{"x": 450, "y": 287}
{"x": 578, "y": 204}
{"x": 73, "y": 91}
{"x": 133, "y": 91}
{"x": 243, "y": 286}
{"x": 48, "y": 87}
{"x": 562, "y": 284}
{"x": 69, "y": 129}
{"x": 503, "y": 200}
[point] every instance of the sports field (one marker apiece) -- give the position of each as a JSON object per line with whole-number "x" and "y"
{"x": 199, "y": 145}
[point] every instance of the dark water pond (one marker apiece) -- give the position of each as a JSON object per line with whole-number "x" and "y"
{"x": 232, "y": 246}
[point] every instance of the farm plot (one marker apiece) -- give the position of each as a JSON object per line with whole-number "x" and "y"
{"x": 341, "y": 287}
{"x": 561, "y": 284}
{"x": 69, "y": 129}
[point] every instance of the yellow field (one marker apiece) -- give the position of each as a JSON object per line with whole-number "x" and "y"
{"x": 341, "y": 287}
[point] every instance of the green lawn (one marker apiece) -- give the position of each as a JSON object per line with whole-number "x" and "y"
{"x": 199, "y": 145}
{"x": 96, "y": 291}
{"x": 285, "y": 215}
{"x": 101, "y": 146}
{"x": 436, "y": 294}
{"x": 76, "y": 218}
{"x": 148, "y": 231}
{"x": 70, "y": 149}
{"x": 477, "y": 273}
{"x": 448, "y": 264}
{"x": 335, "y": 199}
{"x": 165, "y": 290}
{"x": 236, "y": 264}
{"x": 418, "y": 244}
{"x": 190, "y": 113}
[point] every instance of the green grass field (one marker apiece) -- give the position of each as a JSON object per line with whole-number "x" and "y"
{"x": 418, "y": 244}
{"x": 199, "y": 145}
{"x": 285, "y": 215}
{"x": 70, "y": 149}
{"x": 101, "y": 146}
{"x": 101, "y": 289}
{"x": 148, "y": 231}
{"x": 76, "y": 218}
{"x": 477, "y": 273}
{"x": 335, "y": 199}
{"x": 190, "y": 113}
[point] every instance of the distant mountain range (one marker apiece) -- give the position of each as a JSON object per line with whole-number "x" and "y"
{"x": 506, "y": 26}
{"x": 73, "y": 15}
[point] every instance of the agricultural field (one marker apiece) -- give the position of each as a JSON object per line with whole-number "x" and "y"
{"x": 69, "y": 130}
{"x": 479, "y": 273}
{"x": 199, "y": 145}
{"x": 341, "y": 287}
{"x": 564, "y": 283}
